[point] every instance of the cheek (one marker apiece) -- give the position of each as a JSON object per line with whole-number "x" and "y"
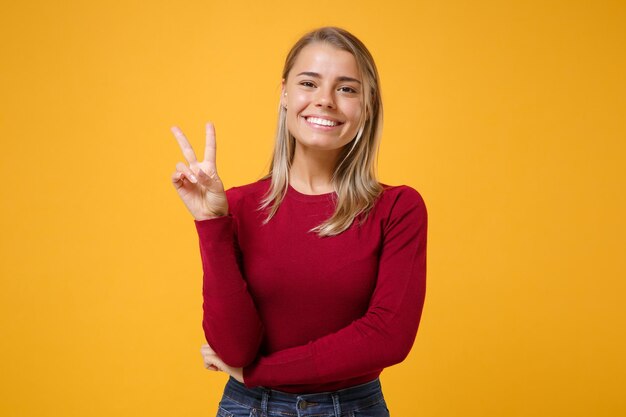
{"x": 358, "y": 114}
{"x": 353, "y": 109}
{"x": 298, "y": 102}
{"x": 354, "y": 113}
{"x": 292, "y": 118}
{"x": 295, "y": 107}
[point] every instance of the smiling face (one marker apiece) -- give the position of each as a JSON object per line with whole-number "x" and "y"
{"x": 323, "y": 97}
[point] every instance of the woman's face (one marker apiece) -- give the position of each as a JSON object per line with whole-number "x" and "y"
{"x": 323, "y": 96}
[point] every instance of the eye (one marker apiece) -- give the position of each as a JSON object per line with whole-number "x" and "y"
{"x": 307, "y": 84}
{"x": 347, "y": 89}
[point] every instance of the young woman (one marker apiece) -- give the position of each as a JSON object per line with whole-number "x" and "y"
{"x": 314, "y": 276}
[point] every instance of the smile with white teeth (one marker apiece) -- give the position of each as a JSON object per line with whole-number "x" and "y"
{"x": 322, "y": 122}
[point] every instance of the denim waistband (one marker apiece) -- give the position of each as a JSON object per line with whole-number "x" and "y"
{"x": 273, "y": 401}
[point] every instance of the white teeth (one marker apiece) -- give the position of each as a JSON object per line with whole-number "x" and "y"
{"x": 323, "y": 122}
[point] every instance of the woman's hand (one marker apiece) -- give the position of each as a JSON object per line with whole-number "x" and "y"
{"x": 214, "y": 363}
{"x": 198, "y": 184}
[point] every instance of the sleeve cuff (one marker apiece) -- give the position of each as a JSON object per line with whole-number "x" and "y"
{"x": 218, "y": 229}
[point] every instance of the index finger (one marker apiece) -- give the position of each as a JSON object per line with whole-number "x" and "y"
{"x": 188, "y": 152}
{"x": 209, "y": 150}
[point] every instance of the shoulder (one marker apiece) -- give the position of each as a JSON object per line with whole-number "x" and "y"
{"x": 400, "y": 205}
{"x": 401, "y": 211}
{"x": 246, "y": 195}
{"x": 401, "y": 196}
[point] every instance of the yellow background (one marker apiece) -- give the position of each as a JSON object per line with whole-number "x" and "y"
{"x": 508, "y": 117}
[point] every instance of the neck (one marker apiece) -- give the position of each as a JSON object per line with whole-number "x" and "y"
{"x": 312, "y": 170}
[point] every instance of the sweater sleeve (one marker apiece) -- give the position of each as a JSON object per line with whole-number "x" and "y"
{"x": 384, "y": 335}
{"x": 231, "y": 323}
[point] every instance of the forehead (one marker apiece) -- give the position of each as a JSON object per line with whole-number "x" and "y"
{"x": 326, "y": 60}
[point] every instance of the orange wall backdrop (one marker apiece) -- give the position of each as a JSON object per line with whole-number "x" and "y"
{"x": 509, "y": 117}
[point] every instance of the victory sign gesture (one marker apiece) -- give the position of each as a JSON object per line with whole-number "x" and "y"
{"x": 198, "y": 184}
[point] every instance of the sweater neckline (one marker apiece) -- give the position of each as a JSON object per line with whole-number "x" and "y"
{"x": 311, "y": 198}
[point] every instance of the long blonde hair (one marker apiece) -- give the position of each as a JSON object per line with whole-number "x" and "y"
{"x": 354, "y": 178}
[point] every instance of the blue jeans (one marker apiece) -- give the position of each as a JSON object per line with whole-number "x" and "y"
{"x": 364, "y": 400}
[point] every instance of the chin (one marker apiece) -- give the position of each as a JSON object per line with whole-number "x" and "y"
{"x": 320, "y": 145}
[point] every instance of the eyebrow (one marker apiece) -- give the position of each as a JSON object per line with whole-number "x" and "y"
{"x": 316, "y": 75}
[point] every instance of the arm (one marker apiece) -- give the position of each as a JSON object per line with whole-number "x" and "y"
{"x": 231, "y": 323}
{"x": 385, "y": 334}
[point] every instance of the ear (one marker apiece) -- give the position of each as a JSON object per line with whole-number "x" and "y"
{"x": 283, "y": 94}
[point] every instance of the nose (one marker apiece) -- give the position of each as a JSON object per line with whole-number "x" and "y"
{"x": 325, "y": 98}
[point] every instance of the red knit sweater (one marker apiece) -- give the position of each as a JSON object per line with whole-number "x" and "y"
{"x": 307, "y": 314}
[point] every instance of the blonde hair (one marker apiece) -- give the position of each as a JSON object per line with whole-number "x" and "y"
{"x": 354, "y": 178}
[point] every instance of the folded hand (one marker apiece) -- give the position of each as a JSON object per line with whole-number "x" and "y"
{"x": 214, "y": 363}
